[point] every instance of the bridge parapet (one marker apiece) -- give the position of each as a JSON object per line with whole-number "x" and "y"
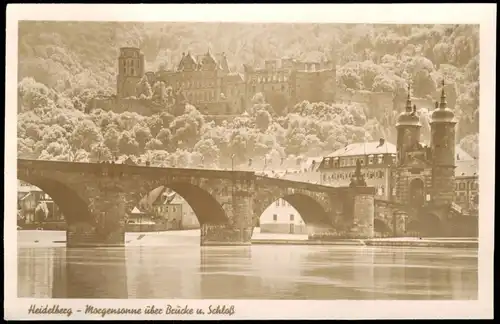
{"x": 125, "y": 169}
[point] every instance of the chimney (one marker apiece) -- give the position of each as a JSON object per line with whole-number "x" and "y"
{"x": 437, "y": 105}
{"x": 381, "y": 142}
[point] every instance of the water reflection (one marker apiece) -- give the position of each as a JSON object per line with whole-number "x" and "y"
{"x": 257, "y": 272}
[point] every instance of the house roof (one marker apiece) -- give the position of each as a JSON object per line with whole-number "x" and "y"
{"x": 233, "y": 77}
{"x": 462, "y": 155}
{"x": 374, "y": 148}
{"x": 466, "y": 168}
{"x": 365, "y": 148}
{"x": 28, "y": 189}
{"x": 136, "y": 211}
{"x": 176, "y": 199}
{"x": 148, "y": 200}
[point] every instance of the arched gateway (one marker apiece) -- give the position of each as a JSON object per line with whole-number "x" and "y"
{"x": 95, "y": 199}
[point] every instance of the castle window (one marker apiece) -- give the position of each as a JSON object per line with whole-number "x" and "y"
{"x": 362, "y": 161}
{"x": 132, "y": 71}
{"x": 275, "y": 217}
{"x": 291, "y": 217}
{"x": 370, "y": 160}
{"x": 461, "y": 186}
{"x": 380, "y": 159}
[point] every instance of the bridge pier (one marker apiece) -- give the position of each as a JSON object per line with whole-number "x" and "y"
{"x": 105, "y": 224}
{"x": 364, "y": 216}
{"x": 239, "y": 229}
{"x": 359, "y": 226}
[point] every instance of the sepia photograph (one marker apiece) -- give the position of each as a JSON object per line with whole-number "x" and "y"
{"x": 237, "y": 160}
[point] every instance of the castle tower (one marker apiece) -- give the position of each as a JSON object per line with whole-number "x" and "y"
{"x": 130, "y": 71}
{"x": 443, "y": 152}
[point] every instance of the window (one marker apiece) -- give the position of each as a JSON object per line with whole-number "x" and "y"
{"x": 362, "y": 161}
{"x": 277, "y": 203}
{"x": 291, "y": 217}
{"x": 166, "y": 209}
{"x": 370, "y": 160}
{"x": 283, "y": 87}
{"x": 461, "y": 186}
{"x": 275, "y": 217}
{"x": 380, "y": 160}
{"x": 174, "y": 209}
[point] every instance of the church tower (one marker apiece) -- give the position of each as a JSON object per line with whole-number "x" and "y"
{"x": 130, "y": 71}
{"x": 443, "y": 152}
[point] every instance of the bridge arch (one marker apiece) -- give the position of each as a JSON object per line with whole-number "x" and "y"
{"x": 312, "y": 211}
{"x": 71, "y": 203}
{"x": 205, "y": 204}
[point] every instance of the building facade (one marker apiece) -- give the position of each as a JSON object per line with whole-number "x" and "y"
{"x": 28, "y": 199}
{"x": 376, "y": 158}
{"x": 281, "y": 217}
{"x": 206, "y": 82}
{"x": 412, "y": 172}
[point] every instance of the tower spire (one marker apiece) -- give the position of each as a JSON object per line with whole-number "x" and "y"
{"x": 408, "y": 100}
{"x": 443, "y": 103}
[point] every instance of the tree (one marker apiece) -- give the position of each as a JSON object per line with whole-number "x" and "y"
{"x": 85, "y": 135}
{"x": 208, "y": 150}
{"x": 127, "y": 144}
{"x": 263, "y": 120}
{"x": 143, "y": 88}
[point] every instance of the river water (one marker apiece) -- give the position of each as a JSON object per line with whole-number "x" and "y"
{"x": 173, "y": 265}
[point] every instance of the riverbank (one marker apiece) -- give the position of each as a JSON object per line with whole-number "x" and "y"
{"x": 191, "y": 237}
{"x": 469, "y": 243}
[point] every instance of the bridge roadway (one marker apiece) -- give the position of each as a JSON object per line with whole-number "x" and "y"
{"x": 95, "y": 198}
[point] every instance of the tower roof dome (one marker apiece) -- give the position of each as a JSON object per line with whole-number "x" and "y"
{"x": 443, "y": 114}
{"x": 408, "y": 117}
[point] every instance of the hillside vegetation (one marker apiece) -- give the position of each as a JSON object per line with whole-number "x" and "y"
{"x": 64, "y": 64}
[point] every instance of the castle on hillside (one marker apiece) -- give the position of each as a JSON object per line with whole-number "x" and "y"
{"x": 206, "y": 82}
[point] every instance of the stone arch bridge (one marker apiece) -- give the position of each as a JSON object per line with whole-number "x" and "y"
{"x": 95, "y": 199}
